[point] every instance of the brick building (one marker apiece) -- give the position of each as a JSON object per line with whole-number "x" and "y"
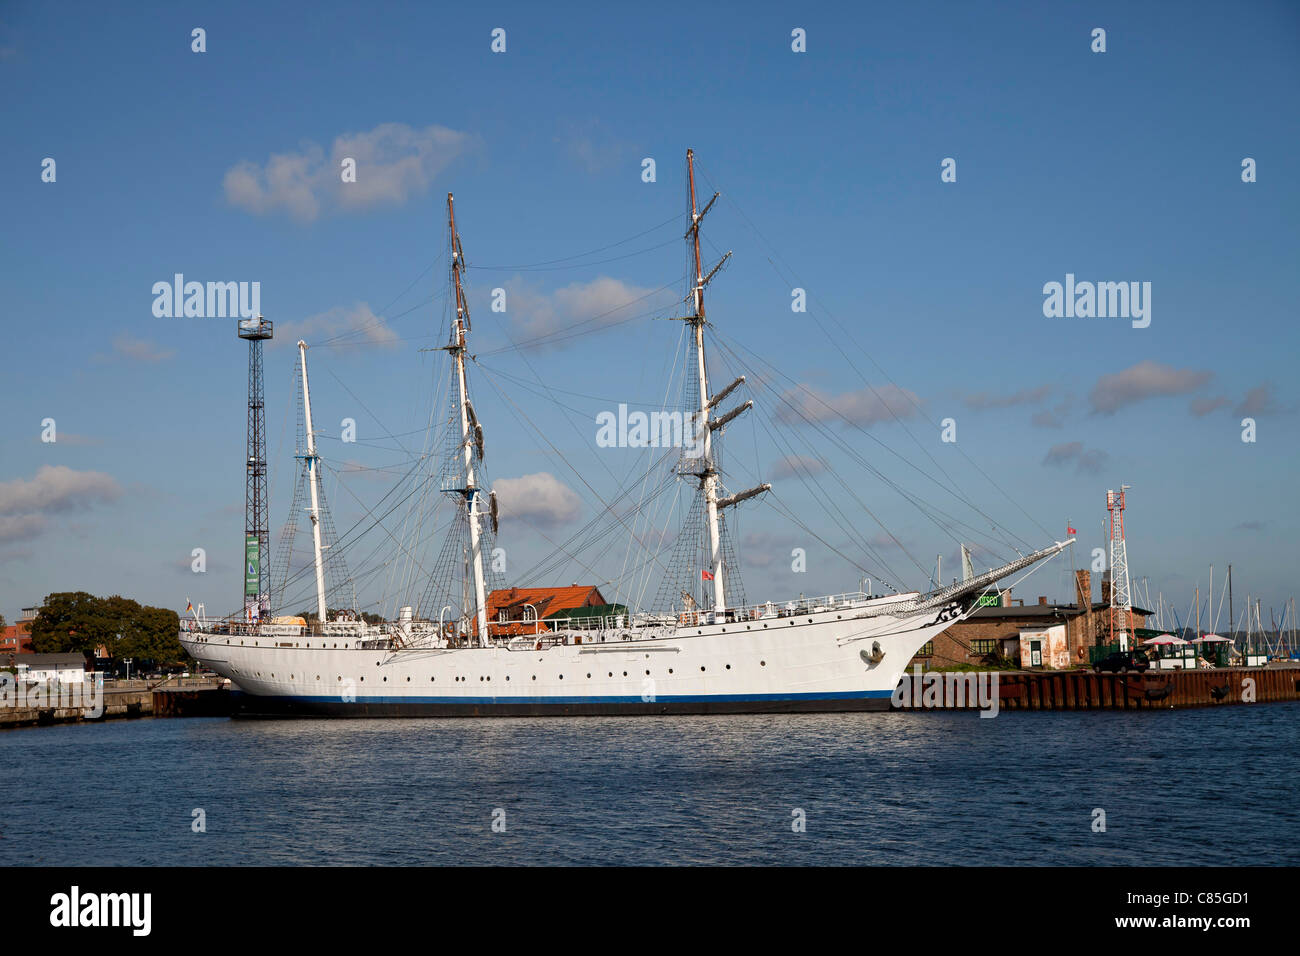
{"x": 1035, "y": 635}
{"x": 17, "y": 638}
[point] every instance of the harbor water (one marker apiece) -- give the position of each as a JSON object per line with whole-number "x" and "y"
{"x": 1208, "y": 786}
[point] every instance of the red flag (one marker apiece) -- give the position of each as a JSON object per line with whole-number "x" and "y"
{"x": 1069, "y": 530}
{"x": 706, "y": 575}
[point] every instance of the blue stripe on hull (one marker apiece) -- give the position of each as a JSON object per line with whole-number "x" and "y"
{"x": 250, "y": 705}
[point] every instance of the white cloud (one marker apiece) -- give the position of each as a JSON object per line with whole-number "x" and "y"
{"x": 581, "y": 306}
{"x": 1087, "y": 461}
{"x": 865, "y": 407}
{"x": 393, "y": 163}
{"x": 349, "y": 325}
{"x": 1146, "y": 379}
{"x": 790, "y": 466}
{"x": 539, "y": 499}
{"x": 138, "y": 350}
{"x": 25, "y": 503}
{"x": 56, "y": 488}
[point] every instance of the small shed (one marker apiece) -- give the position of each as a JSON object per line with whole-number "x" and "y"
{"x": 1045, "y": 647}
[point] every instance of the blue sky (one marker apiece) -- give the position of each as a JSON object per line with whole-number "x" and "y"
{"x": 1115, "y": 166}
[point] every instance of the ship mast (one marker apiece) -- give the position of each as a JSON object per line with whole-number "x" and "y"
{"x": 708, "y": 472}
{"x": 471, "y": 433}
{"x": 313, "y": 477}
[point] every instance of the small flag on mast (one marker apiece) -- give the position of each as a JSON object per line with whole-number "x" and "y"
{"x": 706, "y": 575}
{"x": 1069, "y": 530}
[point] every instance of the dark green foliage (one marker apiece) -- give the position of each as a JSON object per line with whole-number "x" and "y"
{"x": 75, "y": 621}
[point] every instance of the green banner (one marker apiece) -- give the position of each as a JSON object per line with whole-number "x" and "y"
{"x": 252, "y": 575}
{"x": 989, "y": 600}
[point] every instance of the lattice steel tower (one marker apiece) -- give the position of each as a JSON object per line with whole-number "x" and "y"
{"x": 1121, "y": 604}
{"x": 257, "y": 534}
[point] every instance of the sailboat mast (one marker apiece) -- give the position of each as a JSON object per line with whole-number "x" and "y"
{"x": 709, "y": 474}
{"x": 313, "y": 477}
{"x": 468, "y": 438}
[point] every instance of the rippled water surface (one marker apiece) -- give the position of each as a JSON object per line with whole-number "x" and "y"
{"x": 1215, "y": 786}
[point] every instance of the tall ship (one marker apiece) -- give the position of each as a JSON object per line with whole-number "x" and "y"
{"x": 464, "y": 643}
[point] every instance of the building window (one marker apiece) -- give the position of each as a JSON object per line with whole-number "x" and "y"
{"x": 984, "y": 646}
{"x": 927, "y": 650}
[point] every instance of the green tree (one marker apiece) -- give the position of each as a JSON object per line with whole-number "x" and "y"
{"x": 73, "y": 621}
{"x": 70, "y": 621}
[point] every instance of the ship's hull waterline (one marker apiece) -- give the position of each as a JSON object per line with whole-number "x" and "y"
{"x": 834, "y": 661}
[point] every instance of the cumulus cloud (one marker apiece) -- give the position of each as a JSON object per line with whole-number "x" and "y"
{"x": 1203, "y": 406}
{"x": 581, "y": 307}
{"x": 356, "y": 324}
{"x": 1087, "y": 461}
{"x": 1258, "y": 401}
{"x": 21, "y": 527}
{"x": 26, "y": 503}
{"x": 539, "y": 499}
{"x": 790, "y": 466}
{"x": 1046, "y": 418}
{"x": 1025, "y": 396}
{"x": 393, "y": 162}
{"x": 865, "y": 407}
{"x": 125, "y": 346}
{"x": 1146, "y": 379}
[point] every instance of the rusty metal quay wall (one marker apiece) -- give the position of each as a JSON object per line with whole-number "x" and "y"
{"x": 1086, "y": 690}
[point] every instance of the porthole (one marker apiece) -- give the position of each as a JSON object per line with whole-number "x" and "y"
{"x": 670, "y": 670}
{"x": 363, "y": 679}
{"x": 385, "y": 680}
{"x": 625, "y": 673}
{"x": 561, "y": 677}
{"x": 432, "y": 678}
{"x": 534, "y": 677}
{"x": 728, "y": 667}
{"x": 701, "y": 667}
{"x": 408, "y": 680}
{"x": 611, "y": 673}
{"x": 762, "y": 663}
{"x": 588, "y": 676}
{"x": 647, "y": 673}
{"x": 318, "y": 676}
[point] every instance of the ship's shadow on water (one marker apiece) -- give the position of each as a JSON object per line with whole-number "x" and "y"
{"x": 1184, "y": 787}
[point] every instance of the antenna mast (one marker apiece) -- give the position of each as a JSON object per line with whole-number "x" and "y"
{"x": 257, "y": 534}
{"x": 1121, "y": 604}
{"x": 471, "y": 433}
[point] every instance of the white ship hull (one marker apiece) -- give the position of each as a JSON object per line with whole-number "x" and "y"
{"x": 826, "y": 659}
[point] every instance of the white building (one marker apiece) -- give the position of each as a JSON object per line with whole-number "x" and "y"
{"x": 50, "y": 668}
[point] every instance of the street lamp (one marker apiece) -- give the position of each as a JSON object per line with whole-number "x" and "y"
{"x": 127, "y": 661}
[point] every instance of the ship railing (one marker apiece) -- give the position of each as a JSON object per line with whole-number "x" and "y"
{"x": 775, "y": 609}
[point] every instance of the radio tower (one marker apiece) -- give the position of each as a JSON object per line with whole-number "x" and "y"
{"x": 257, "y": 535}
{"x": 1121, "y": 605}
